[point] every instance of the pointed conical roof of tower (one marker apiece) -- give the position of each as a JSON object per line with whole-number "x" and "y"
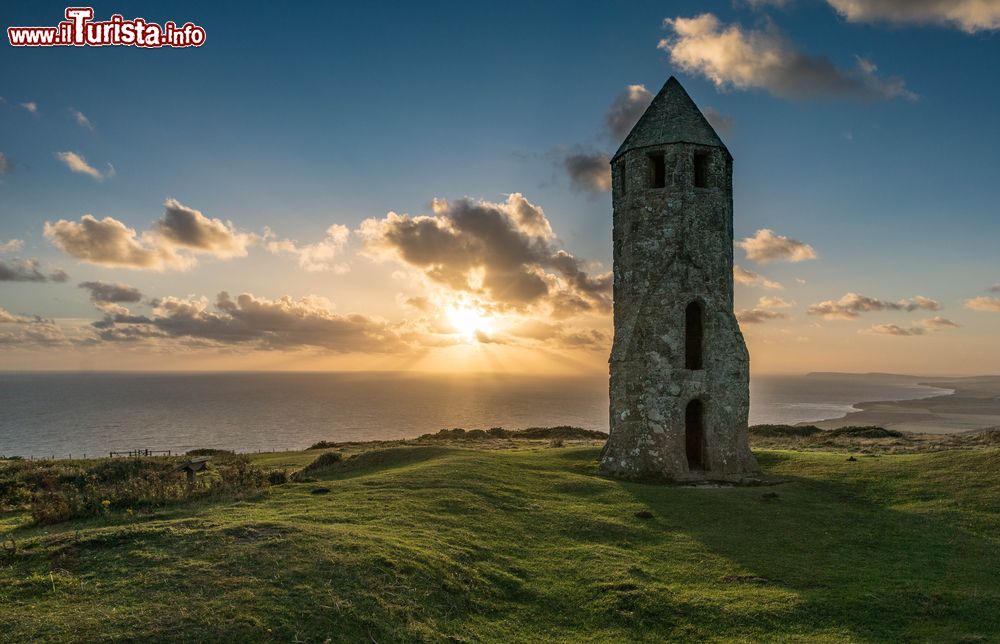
{"x": 672, "y": 117}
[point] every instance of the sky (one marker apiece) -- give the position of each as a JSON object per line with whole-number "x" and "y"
{"x": 424, "y": 186}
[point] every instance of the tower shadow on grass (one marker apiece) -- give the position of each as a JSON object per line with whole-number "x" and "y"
{"x": 855, "y": 567}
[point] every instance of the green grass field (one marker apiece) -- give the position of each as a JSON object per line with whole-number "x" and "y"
{"x": 444, "y": 543}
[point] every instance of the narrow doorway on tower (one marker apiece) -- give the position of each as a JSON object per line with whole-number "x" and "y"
{"x": 694, "y": 435}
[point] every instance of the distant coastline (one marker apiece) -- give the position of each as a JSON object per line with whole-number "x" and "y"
{"x": 971, "y": 404}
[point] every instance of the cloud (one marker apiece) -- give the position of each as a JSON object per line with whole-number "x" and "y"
{"x": 750, "y": 278}
{"x": 732, "y": 56}
{"x": 175, "y": 238}
{"x": 184, "y": 227}
{"x": 258, "y": 323}
{"x": 765, "y": 246}
{"x": 31, "y": 106}
{"x": 589, "y": 171}
{"x": 505, "y": 252}
{"x": 625, "y": 110}
{"x": 984, "y": 303}
{"x": 109, "y": 242}
{"x": 769, "y": 302}
{"x": 81, "y": 119}
{"x": 722, "y": 123}
{"x": 921, "y": 328}
{"x": 994, "y": 289}
{"x": 77, "y": 163}
{"x": 6, "y": 317}
{"x": 968, "y": 15}
{"x": 111, "y": 292}
{"x": 758, "y": 315}
{"x": 5, "y": 164}
{"x": 11, "y": 246}
{"x": 28, "y": 270}
{"x": 852, "y": 305}
{"x": 321, "y": 256}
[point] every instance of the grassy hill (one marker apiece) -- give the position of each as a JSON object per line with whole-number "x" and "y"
{"x": 444, "y": 542}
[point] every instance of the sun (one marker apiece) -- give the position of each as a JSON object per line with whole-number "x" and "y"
{"x": 469, "y": 322}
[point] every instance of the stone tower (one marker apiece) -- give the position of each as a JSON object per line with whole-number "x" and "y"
{"x": 680, "y": 390}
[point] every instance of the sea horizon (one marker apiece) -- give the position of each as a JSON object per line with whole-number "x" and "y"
{"x": 249, "y": 411}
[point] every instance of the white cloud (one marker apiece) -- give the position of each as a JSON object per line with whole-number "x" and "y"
{"x": 31, "y": 106}
{"x": 766, "y": 246}
{"x": 77, "y": 163}
{"x": 5, "y": 164}
{"x": 968, "y": 15}
{"x": 732, "y": 56}
{"x": 320, "y": 256}
{"x": 81, "y": 119}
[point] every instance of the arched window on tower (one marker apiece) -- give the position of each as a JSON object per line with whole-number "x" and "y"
{"x": 694, "y": 435}
{"x": 693, "y": 336}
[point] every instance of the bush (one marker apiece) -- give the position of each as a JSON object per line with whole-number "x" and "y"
{"x": 277, "y": 477}
{"x": 56, "y": 491}
{"x": 556, "y": 442}
{"x": 321, "y": 462}
{"x": 207, "y": 451}
{"x": 870, "y": 431}
{"x": 784, "y": 430}
{"x": 322, "y": 445}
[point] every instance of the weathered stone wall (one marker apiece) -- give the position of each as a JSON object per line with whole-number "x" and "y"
{"x": 673, "y": 246}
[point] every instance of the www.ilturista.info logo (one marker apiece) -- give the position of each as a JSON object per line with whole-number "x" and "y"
{"x": 79, "y": 30}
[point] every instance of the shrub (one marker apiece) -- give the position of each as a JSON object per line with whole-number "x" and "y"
{"x": 322, "y": 445}
{"x": 277, "y": 477}
{"x": 784, "y": 430}
{"x": 324, "y": 461}
{"x": 556, "y": 442}
{"x": 870, "y": 431}
{"x": 207, "y": 451}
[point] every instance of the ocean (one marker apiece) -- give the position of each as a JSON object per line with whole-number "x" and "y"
{"x": 63, "y": 414}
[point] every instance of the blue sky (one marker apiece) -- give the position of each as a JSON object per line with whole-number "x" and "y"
{"x": 297, "y": 116}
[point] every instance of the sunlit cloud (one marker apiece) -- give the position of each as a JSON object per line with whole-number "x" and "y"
{"x": 759, "y": 315}
{"x": 732, "y": 56}
{"x": 968, "y": 15}
{"x": 11, "y": 245}
{"x": 175, "y": 238}
{"x": 983, "y": 303}
{"x": 589, "y": 171}
{"x": 625, "y": 110}
{"x": 750, "y": 278}
{"x": 920, "y": 328}
{"x": 254, "y": 322}
{"x": 766, "y": 246}
{"x": 502, "y": 253}
{"x": 323, "y": 255}
{"x": 30, "y": 106}
{"x": 852, "y": 305}
{"x": 76, "y": 163}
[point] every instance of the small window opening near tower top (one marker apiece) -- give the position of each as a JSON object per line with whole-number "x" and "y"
{"x": 659, "y": 170}
{"x": 701, "y": 169}
{"x": 693, "y": 336}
